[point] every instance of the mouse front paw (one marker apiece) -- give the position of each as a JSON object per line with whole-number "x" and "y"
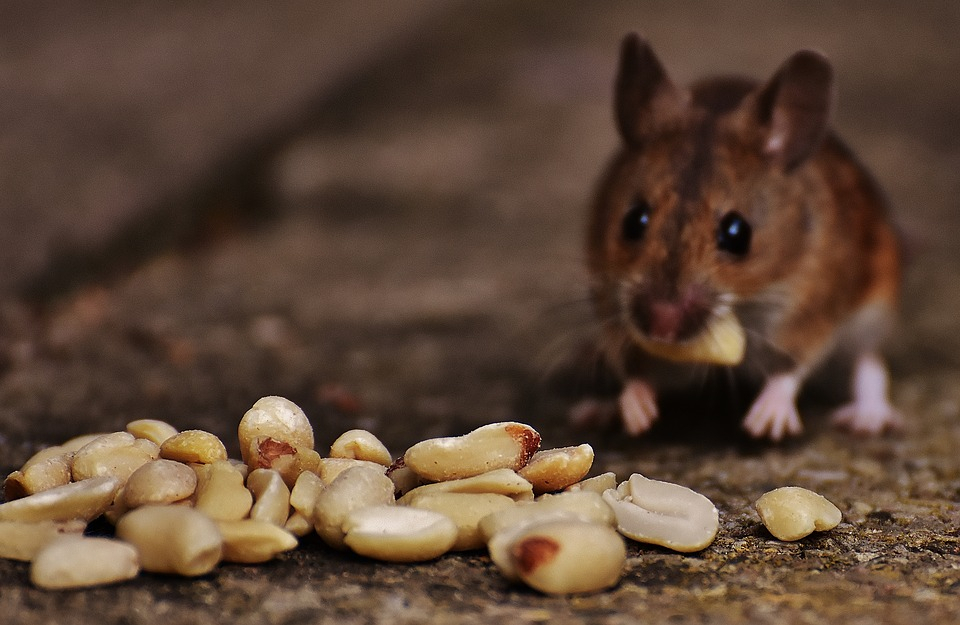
{"x": 774, "y": 413}
{"x": 868, "y": 418}
{"x": 638, "y": 407}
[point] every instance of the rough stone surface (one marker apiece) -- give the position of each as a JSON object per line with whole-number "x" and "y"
{"x": 422, "y": 275}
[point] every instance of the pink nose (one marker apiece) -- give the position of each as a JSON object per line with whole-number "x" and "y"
{"x": 665, "y": 321}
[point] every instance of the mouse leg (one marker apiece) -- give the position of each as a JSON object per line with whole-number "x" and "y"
{"x": 870, "y": 412}
{"x": 774, "y": 412}
{"x": 638, "y": 406}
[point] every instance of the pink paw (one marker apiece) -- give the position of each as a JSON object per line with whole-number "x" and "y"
{"x": 868, "y": 418}
{"x": 774, "y": 413}
{"x": 638, "y": 407}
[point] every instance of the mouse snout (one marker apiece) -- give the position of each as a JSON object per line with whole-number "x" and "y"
{"x": 670, "y": 319}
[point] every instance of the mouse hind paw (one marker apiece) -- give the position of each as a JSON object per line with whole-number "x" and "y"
{"x": 870, "y": 413}
{"x": 868, "y": 418}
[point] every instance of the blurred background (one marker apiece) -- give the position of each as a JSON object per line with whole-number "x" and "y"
{"x": 376, "y": 209}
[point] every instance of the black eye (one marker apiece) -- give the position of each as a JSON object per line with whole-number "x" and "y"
{"x": 733, "y": 234}
{"x": 636, "y": 220}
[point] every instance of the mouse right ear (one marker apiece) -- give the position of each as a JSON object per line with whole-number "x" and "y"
{"x": 794, "y": 108}
{"x": 645, "y": 96}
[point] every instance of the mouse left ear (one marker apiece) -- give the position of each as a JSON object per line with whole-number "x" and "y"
{"x": 645, "y": 96}
{"x": 793, "y": 108}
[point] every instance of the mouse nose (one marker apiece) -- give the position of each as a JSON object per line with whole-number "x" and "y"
{"x": 669, "y": 320}
{"x": 664, "y": 321}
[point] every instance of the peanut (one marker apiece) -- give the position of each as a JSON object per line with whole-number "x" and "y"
{"x": 86, "y": 500}
{"x": 194, "y": 446}
{"x": 360, "y": 445}
{"x": 250, "y": 541}
{"x": 597, "y": 484}
{"x": 271, "y": 497}
{"x": 555, "y": 469}
{"x": 303, "y": 495}
{"x": 506, "y": 445}
{"x": 46, "y": 469}
{"x": 172, "y": 539}
{"x": 159, "y": 482}
{"x": 151, "y": 429}
{"x": 465, "y": 510}
{"x": 21, "y": 540}
{"x": 118, "y": 455}
{"x": 791, "y": 513}
{"x": 220, "y": 492}
{"x": 80, "y": 561}
{"x": 583, "y": 505}
{"x": 276, "y": 418}
{"x": 398, "y": 534}
{"x": 500, "y": 481}
{"x": 722, "y": 343}
{"x": 356, "y": 488}
{"x": 565, "y": 557}
{"x": 665, "y": 514}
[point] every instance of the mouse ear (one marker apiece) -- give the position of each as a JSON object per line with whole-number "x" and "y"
{"x": 793, "y": 108}
{"x": 645, "y": 96}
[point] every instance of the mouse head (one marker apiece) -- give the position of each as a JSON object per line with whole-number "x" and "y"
{"x": 706, "y": 203}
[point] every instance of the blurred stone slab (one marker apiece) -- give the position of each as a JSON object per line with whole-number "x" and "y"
{"x": 111, "y": 112}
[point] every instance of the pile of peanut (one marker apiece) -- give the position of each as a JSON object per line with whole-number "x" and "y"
{"x": 180, "y": 506}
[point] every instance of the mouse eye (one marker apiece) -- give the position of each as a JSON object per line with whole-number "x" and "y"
{"x": 733, "y": 234}
{"x": 635, "y": 220}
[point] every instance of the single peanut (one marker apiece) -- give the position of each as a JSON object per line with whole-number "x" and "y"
{"x": 172, "y": 539}
{"x": 329, "y": 468}
{"x": 723, "y": 343}
{"x": 465, "y": 510}
{"x": 81, "y": 561}
{"x": 597, "y": 484}
{"x": 303, "y": 495}
{"x": 791, "y": 513}
{"x": 151, "y": 429}
{"x": 194, "y": 446}
{"x": 500, "y": 481}
{"x": 21, "y": 540}
{"x": 356, "y": 488}
{"x": 159, "y": 482}
{"x": 275, "y": 418}
{"x": 116, "y": 455}
{"x": 665, "y": 514}
{"x": 298, "y": 524}
{"x": 360, "y": 445}
{"x": 271, "y": 497}
{"x": 507, "y": 445}
{"x": 221, "y": 493}
{"x": 86, "y": 500}
{"x": 555, "y": 469}
{"x": 566, "y": 557}
{"x": 398, "y": 534}
{"x": 250, "y": 541}
{"x": 46, "y": 469}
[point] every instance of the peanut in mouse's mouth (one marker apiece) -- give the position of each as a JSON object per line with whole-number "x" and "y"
{"x": 721, "y": 342}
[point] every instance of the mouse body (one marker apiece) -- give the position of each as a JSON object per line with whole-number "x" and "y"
{"x": 731, "y": 204}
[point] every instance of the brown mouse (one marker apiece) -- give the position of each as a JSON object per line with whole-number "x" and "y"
{"x": 733, "y": 199}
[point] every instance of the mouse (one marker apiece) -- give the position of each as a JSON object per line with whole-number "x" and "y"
{"x": 733, "y": 231}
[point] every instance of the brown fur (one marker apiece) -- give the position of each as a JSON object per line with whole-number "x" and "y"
{"x": 822, "y": 247}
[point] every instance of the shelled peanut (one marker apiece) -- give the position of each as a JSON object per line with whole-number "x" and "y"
{"x": 180, "y": 505}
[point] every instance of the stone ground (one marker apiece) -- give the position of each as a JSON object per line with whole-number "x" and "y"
{"x": 407, "y": 258}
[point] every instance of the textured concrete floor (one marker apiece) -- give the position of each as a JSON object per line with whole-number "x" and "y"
{"x": 422, "y": 253}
